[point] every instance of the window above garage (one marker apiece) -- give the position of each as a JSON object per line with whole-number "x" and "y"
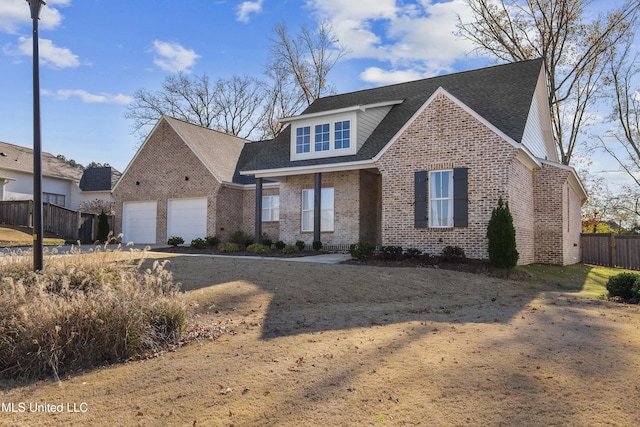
{"x": 334, "y": 133}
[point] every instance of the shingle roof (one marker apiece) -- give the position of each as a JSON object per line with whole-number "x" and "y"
{"x": 500, "y": 94}
{"x": 219, "y": 151}
{"x": 99, "y": 179}
{"x": 17, "y": 158}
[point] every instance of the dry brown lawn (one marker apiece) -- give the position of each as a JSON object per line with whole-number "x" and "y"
{"x": 350, "y": 345}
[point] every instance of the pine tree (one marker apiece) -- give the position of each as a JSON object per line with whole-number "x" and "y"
{"x": 502, "y": 237}
{"x": 103, "y": 227}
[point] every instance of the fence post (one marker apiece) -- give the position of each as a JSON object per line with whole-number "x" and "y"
{"x": 612, "y": 245}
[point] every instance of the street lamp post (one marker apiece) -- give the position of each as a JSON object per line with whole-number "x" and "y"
{"x": 35, "y": 6}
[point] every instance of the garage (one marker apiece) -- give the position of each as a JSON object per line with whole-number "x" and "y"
{"x": 139, "y": 222}
{"x": 187, "y": 218}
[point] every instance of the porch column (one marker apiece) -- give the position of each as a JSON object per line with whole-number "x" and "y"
{"x": 317, "y": 202}
{"x": 258, "y": 225}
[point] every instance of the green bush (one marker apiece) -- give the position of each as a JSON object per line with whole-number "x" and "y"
{"x": 290, "y": 249}
{"x": 636, "y": 289}
{"x": 622, "y": 285}
{"x": 175, "y": 241}
{"x": 316, "y": 245}
{"x": 228, "y": 247}
{"x": 103, "y": 227}
{"x": 242, "y": 238}
{"x": 414, "y": 252}
{"x": 267, "y": 242}
{"x": 258, "y": 248}
{"x": 362, "y": 250}
{"x": 453, "y": 254}
{"x": 198, "y": 243}
{"x": 502, "y": 237}
{"x": 279, "y": 245}
{"x": 212, "y": 241}
{"x": 300, "y": 245}
{"x": 393, "y": 253}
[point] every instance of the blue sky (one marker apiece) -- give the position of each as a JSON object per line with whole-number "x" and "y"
{"x": 95, "y": 54}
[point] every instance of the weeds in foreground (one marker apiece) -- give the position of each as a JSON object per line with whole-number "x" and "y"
{"x": 82, "y": 310}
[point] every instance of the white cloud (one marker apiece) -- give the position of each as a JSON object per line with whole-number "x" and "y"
{"x": 378, "y": 76}
{"x": 49, "y": 54}
{"x": 174, "y": 58}
{"x": 414, "y": 36}
{"x": 15, "y": 14}
{"x": 87, "y": 97}
{"x": 246, "y": 8}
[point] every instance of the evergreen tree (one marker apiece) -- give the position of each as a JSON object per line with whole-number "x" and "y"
{"x": 502, "y": 237}
{"x": 103, "y": 227}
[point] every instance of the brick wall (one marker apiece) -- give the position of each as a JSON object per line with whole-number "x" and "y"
{"x": 346, "y": 207}
{"x": 269, "y": 228}
{"x": 159, "y": 173}
{"x": 444, "y": 136}
{"x": 521, "y": 205}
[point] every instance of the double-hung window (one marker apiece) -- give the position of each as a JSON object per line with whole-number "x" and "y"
{"x": 270, "y": 208}
{"x": 342, "y": 134}
{"x": 326, "y": 210}
{"x": 54, "y": 199}
{"x": 303, "y": 139}
{"x": 322, "y": 137}
{"x": 441, "y": 199}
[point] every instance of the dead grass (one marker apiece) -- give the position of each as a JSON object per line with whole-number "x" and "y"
{"x": 358, "y": 345}
{"x": 11, "y": 236}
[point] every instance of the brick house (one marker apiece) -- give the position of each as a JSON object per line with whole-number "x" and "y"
{"x": 419, "y": 165}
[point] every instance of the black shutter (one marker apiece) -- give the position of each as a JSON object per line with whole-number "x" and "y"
{"x": 420, "y": 199}
{"x": 460, "y": 197}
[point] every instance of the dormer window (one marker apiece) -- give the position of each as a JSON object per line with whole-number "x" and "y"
{"x": 303, "y": 139}
{"x": 334, "y": 133}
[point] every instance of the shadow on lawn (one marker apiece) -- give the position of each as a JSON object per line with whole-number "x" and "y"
{"x": 307, "y": 297}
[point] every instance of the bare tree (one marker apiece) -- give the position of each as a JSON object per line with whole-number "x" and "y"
{"x": 226, "y": 105}
{"x": 575, "y": 50}
{"x": 308, "y": 57}
{"x": 624, "y": 70}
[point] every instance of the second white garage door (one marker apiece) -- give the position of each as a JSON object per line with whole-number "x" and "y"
{"x": 187, "y": 218}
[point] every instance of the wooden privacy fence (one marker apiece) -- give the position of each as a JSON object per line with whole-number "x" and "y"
{"x": 67, "y": 223}
{"x": 612, "y": 250}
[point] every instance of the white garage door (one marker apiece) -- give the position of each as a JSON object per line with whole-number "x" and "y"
{"x": 187, "y": 218}
{"x": 139, "y": 222}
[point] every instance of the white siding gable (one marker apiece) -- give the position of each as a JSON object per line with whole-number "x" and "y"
{"x": 368, "y": 120}
{"x": 537, "y": 135}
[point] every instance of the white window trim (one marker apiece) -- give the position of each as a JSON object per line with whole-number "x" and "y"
{"x": 324, "y": 199}
{"x": 432, "y": 199}
{"x": 332, "y": 151}
{"x": 270, "y": 208}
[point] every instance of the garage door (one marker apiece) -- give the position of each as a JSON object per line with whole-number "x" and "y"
{"x": 187, "y": 218}
{"x": 139, "y": 222}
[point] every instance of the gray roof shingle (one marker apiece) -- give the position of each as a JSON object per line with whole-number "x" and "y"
{"x": 17, "y": 158}
{"x": 501, "y": 94}
{"x": 99, "y": 179}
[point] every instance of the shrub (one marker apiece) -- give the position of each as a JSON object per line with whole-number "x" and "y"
{"x": 316, "y": 245}
{"x": 82, "y": 310}
{"x": 242, "y": 238}
{"x": 103, "y": 227}
{"x": 175, "y": 241}
{"x": 502, "y": 237}
{"x": 300, "y": 245}
{"x": 228, "y": 247}
{"x": 362, "y": 250}
{"x": 258, "y": 248}
{"x": 622, "y": 285}
{"x": 198, "y": 243}
{"x": 636, "y": 289}
{"x": 290, "y": 249}
{"x": 391, "y": 252}
{"x": 212, "y": 241}
{"x": 414, "y": 252}
{"x": 453, "y": 254}
{"x": 279, "y": 245}
{"x": 267, "y": 242}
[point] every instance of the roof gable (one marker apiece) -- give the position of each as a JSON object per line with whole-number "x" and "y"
{"x": 99, "y": 179}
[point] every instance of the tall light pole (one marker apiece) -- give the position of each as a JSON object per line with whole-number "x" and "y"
{"x": 35, "y": 6}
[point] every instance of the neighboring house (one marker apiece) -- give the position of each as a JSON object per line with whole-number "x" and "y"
{"x": 62, "y": 185}
{"x": 59, "y": 180}
{"x": 418, "y": 165}
{"x": 96, "y": 184}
